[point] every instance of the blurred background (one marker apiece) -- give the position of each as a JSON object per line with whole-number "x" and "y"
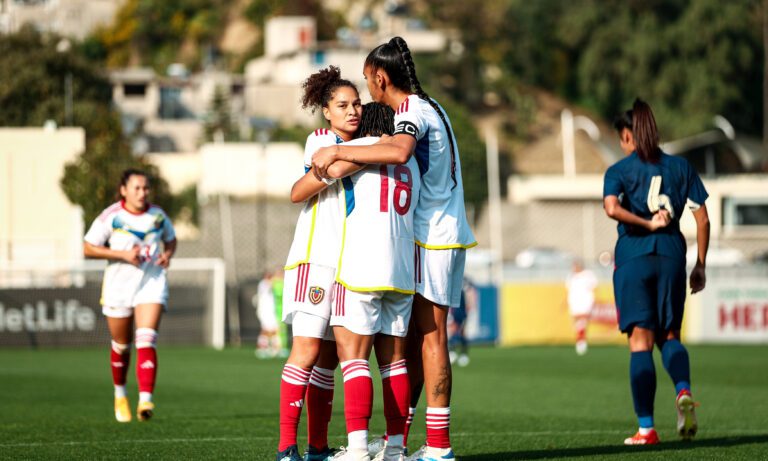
{"x": 205, "y": 95}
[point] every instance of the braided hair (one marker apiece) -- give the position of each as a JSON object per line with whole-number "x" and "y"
{"x": 378, "y": 119}
{"x": 395, "y": 59}
{"x": 320, "y": 87}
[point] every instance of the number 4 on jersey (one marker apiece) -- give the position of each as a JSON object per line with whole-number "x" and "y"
{"x": 656, "y": 200}
{"x": 401, "y": 199}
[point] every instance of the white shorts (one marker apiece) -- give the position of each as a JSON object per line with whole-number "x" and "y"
{"x": 152, "y": 289}
{"x": 440, "y": 275}
{"x": 580, "y": 309}
{"x": 267, "y": 317}
{"x": 311, "y": 326}
{"x": 307, "y": 288}
{"x": 371, "y": 312}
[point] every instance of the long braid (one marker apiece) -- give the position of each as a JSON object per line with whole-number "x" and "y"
{"x": 410, "y": 69}
{"x": 377, "y": 120}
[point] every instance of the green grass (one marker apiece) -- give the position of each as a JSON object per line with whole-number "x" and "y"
{"x": 509, "y": 404}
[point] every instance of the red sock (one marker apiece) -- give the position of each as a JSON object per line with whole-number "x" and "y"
{"x": 119, "y": 359}
{"x": 397, "y": 395}
{"x": 146, "y": 359}
{"x": 438, "y": 425}
{"x": 319, "y": 407}
{"x": 358, "y": 394}
{"x": 293, "y": 386}
{"x": 408, "y": 423}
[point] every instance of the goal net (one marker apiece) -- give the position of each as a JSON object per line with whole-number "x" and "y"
{"x": 54, "y": 304}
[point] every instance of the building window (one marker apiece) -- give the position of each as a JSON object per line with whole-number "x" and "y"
{"x": 745, "y": 211}
{"x": 135, "y": 89}
{"x": 171, "y": 107}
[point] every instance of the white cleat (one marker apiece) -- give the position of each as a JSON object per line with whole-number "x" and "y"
{"x": 581, "y": 347}
{"x": 376, "y": 448}
{"x": 426, "y": 453}
{"x": 351, "y": 454}
{"x": 686, "y": 415}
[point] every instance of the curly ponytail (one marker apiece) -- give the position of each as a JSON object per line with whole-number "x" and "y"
{"x": 320, "y": 87}
{"x": 394, "y": 58}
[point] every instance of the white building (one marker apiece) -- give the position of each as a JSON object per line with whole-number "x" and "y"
{"x": 74, "y": 18}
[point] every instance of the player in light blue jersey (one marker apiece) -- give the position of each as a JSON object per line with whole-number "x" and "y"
{"x": 647, "y": 192}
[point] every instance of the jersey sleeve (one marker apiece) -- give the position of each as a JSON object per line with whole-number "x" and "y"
{"x": 612, "y": 184}
{"x": 100, "y": 230}
{"x": 315, "y": 142}
{"x": 410, "y": 122}
{"x": 697, "y": 194}
{"x": 169, "y": 233}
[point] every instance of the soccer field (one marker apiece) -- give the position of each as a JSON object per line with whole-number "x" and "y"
{"x": 509, "y": 404}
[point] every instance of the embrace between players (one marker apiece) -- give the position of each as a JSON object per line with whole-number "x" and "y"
{"x": 378, "y": 256}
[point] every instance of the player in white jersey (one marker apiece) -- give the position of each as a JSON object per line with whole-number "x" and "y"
{"x": 375, "y": 284}
{"x": 137, "y": 239}
{"x": 422, "y": 129}
{"x": 310, "y": 271}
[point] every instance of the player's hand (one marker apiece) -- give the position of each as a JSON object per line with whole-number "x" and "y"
{"x": 132, "y": 256}
{"x": 698, "y": 278}
{"x": 164, "y": 260}
{"x": 659, "y": 220}
{"x": 322, "y": 159}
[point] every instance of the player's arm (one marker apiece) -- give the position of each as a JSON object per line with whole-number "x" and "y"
{"x": 312, "y": 184}
{"x": 101, "y": 252}
{"x": 169, "y": 248}
{"x": 698, "y": 277}
{"x": 614, "y": 210}
{"x": 395, "y": 150}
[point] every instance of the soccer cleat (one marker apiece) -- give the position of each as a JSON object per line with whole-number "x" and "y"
{"x": 581, "y": 347}
{"x": 651, "y": 438}
{"x": 122, "y": 410}
{"x": 376, "y": 448}
{"x": 319, "y": 455}
{"x": 426, "y": 453}
{"x": 686, "y": 415}
{"x": 351, "y": 454}
{"x": 289, "y": 454}
{"x": 145, "y": 411}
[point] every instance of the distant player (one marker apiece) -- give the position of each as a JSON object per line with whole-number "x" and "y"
{"x": 268, "y": 344}
{"x": 646, "y": 193}
{"x": 310, "y": 272}
{"x": 422, "y": 130}
{"x": 137, "y": 239}
{"x": 581, "y": 284}
{"x": 374, "y": 290}
{"x": 457, "y": 319}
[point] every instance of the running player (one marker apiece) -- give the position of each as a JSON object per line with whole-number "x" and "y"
{"x": 422, "y": 129}
{"x": 646, "y": 193}
{"x": 374, "y": 290}
{"x": 137, "y": 240}
{"x": 310, "y": 272}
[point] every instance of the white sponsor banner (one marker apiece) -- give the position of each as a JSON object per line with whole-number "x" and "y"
{"x": 735, "y": 311}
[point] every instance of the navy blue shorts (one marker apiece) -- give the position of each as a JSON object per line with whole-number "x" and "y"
{"x": 650, "y": 293}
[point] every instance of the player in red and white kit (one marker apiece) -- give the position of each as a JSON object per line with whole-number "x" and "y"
{"x": 375, "y": 286}
{"x": 137, "y": 239}
{"x": 310, "y": 271}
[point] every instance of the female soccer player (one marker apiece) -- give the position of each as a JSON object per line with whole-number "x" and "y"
{"x": 310, "y": 272}
{"x": 646, "y": 193}
{"x": 374, "y": 290}
{"x": 422, "y": 129}
{"x": 130, "y": 234}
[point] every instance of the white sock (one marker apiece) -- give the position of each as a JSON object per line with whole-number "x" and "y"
{"x": 119, "y": 391}
{"x": 395, "y": 440}
{"x": 645, "y": 430}
{"x": 145, "y": 396}
{"x": 358, "y": 440}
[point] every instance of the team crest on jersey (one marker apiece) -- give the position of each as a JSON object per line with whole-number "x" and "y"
{"x": 316, "y": 294}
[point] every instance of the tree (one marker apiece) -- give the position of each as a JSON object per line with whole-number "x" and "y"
{"x": 32, "y": 75}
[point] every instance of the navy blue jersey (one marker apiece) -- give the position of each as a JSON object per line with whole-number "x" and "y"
{"x": 643, "y": 188}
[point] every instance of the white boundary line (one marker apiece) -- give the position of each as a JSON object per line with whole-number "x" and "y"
{"x": 726, "y": 432}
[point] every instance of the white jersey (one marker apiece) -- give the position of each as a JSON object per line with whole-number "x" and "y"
{"x": 581, "y": 291}
{"x": 318, "y": 231}
{"x": 377, "y": 252}
{"x": 441, "y": 220}
{"x": 121, "y": 230}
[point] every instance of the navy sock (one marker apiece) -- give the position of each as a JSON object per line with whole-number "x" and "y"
{"x": 675, "y": 358}
{"x": 642, "y": 378}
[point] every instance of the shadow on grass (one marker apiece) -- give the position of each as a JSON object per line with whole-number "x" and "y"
{"x": 718, "y": 442}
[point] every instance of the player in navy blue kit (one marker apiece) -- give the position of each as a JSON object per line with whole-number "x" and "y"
{"x": 647, "y": 192}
